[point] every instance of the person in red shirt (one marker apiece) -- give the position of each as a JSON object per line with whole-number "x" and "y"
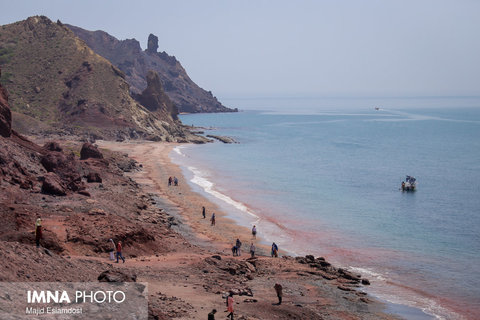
{"x": 119, "y": 251}
{"x": 230, "y": 306}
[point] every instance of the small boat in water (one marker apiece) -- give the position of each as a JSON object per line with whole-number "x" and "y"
{"x": 410, "y": 184}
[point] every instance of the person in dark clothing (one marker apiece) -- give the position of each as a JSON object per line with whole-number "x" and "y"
{"x": 213, "y": 219}
{"x": 278, "y": 290}
{"x": 238, "y": 244}
{"x": 252, "y": 250}
{"x": 211, "y": 315}
{"x": 203, "y": 212}
{"x": 274, "y": 250}
{"x": 170, "y": 180}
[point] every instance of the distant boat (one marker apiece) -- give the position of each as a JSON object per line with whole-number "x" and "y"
{"x": 377, "y": 108}
{"x": 410, "y": 184}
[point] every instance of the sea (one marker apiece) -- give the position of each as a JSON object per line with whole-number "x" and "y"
{"x": 322, "y": 176}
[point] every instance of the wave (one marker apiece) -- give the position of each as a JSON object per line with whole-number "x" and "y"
{"x": 200, "y": 179}
{"x": 405, "y": 295}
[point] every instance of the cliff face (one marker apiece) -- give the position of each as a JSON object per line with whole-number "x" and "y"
{"x": 55, "y": 79}
{"x": 135, "y": 63}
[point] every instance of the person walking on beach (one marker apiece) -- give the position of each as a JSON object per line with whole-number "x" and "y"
{"x": 278, "y": 289}
{"x": 274, "y": 250}
{"x": 238, "y": 244}
{"x": 252, "y": 250}
{"x": 119, "y": 251}
{"x": 234, "y": 250}
{"x": 203, "y": 212}
{"x": 213, "y": 219}
{"x": 170, "y": 180}
{"x": 38, "y": 231}
{"x": 211, "y": 315}
{"x": 230, "y": 305}
{"x": 175, "y": 181}
{"x": 112, "y": 250}
{"x": 254, "y": 232}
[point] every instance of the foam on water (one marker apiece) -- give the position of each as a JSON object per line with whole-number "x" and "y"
{"x": 199, "y": 178}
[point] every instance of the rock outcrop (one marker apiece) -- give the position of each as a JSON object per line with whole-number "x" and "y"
{"x": 152, "y": 45}
{"x": 135, "y": 64}
{"x": 155, "y": 99}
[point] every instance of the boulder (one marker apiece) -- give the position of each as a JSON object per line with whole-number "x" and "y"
{"x": 52, "y": 184}
{"x": 65, "y": 168}
{"x": 54, "y": 161}
{"x": 90, "y": 151}
{"x": 5, "y": 113}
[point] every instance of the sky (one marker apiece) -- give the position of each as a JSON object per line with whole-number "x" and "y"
{"x": 336, "y": 48}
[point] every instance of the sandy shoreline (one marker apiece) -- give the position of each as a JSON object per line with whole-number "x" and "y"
{"x": 157, "y": 167}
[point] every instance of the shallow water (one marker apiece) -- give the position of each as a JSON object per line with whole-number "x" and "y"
{"x": 327, "y": 182}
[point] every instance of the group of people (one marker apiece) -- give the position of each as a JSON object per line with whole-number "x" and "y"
{"x": 204, "y": 214}
{"x": 236, "y": 249}
{"x": 172, "y": 181}
{"x": 116, "y": 250}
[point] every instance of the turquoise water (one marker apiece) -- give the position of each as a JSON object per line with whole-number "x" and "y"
{"x": 326, "y": 181}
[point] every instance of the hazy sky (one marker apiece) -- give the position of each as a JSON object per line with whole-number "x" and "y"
{"x": 272, "y": 48}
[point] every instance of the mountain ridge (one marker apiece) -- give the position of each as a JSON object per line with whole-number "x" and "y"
{"x": 54, "y": 78}
{"x": 128, "y": 56}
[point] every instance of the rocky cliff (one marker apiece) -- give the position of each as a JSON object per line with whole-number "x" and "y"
{"x": 56, "y": 81}
{"x": 128, "y": 56}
